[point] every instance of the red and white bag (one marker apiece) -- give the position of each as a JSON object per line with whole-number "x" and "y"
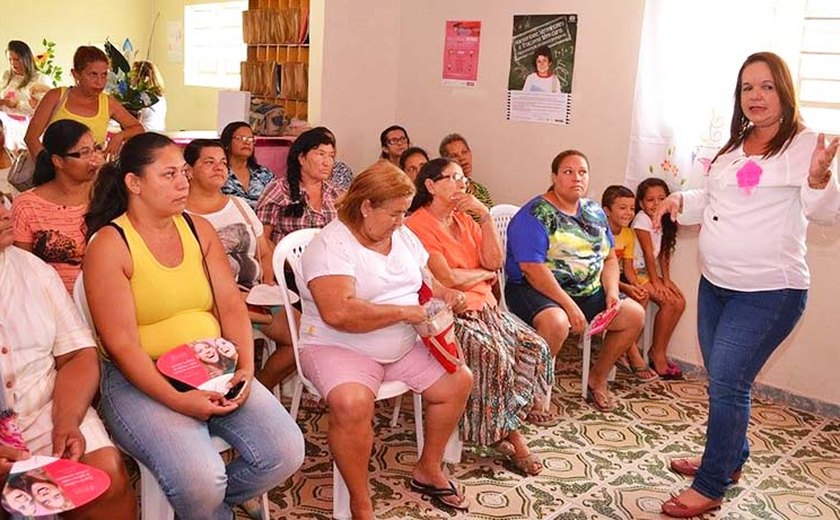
{"x": 438, "y": 332}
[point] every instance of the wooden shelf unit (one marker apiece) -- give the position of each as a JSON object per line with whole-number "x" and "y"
{"x": 281, "y": 53}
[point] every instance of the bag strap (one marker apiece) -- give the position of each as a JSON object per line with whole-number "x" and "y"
{"x": 121, "y": 231}
{"x": 61, "y": 101}
{"x": 194, "y": 231}
{"x": 238, "y": 204}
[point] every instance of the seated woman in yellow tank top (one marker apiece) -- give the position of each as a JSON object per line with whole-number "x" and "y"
{"x": 155, "y": 280}
{"x": 86, "y": 103}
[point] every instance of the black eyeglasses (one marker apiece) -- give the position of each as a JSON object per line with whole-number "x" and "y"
{"x": 85, "y": 153}
{"x": 397, "y": 140}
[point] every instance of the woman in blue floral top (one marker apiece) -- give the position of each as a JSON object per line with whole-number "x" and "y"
{"x": 246, "y": 177}
{"x": 562, "y": 271}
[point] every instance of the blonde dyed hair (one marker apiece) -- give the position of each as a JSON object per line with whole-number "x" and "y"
{"x": 148, "y": 73}
{"x": 380, "y": 182}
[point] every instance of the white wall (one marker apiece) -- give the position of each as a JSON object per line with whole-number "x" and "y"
{"x": 382, "y": 64}
{"x": 514, "y": 158}
{"x": 359, "y": 71}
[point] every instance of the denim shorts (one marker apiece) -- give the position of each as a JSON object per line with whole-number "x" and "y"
{"x": 526, "y": 302}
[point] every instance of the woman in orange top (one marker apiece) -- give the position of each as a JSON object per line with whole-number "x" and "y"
{"x": 511, "y": 364}
{"x": 49, "y": 219}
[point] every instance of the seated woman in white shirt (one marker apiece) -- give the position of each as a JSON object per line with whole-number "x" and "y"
{"x": 248, "y": 249}
{"x": 51, "y": 372}
{"x": 360, "y": 280}
{"x": 153, "y": 118}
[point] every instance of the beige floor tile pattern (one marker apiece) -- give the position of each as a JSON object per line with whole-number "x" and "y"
{"x": 597, "y": 465}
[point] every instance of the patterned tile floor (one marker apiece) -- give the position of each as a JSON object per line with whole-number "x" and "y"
{"x": 597, "y": 465}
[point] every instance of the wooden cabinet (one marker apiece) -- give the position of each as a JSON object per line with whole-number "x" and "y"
{"x": 277, "y": 66}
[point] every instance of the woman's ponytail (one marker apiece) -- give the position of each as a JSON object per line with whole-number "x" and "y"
{"x": 110, "y": 194}
{"x": 44, "y": 169}
{"x": 109, "y": 199}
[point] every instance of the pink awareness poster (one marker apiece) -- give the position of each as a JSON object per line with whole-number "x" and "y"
{"x": 460, "y": 53}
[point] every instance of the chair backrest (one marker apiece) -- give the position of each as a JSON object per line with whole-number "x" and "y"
{"x": 502, "y": 214}
{"x": 80, "y": 299}
{"x": 290, "y": 249}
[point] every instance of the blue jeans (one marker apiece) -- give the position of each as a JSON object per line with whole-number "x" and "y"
{"x": 177, "y": 449}
{"x": 738, "y": 333}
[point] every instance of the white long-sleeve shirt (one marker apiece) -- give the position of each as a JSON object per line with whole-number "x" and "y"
{"x": 754, "y": 214}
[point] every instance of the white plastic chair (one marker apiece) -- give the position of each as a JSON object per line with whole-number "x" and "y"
{"x": 502, "y": 214}
{"x": 153, "y": 502}
{"x": 290, "y": 249}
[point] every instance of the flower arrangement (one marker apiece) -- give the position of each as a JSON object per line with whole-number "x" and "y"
{"x": 132, "y": 92}
{"x": 44, "y": 63}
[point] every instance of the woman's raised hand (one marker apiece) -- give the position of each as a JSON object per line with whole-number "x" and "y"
{"x": 670, "y": 206}
{"x": 821, "y": 159}
{"x": 467, "y": 203}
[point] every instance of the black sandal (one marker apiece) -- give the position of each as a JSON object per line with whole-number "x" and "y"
{"x": 438, "y": 495}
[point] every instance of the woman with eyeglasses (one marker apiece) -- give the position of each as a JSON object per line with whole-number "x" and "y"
{"x": 87, "y": 103}
{"x": 246, "y": 177}
{"x": 511, "y": 364}
{"x": 21, "y": 89}
{"x": 49, "y": 219}
{"x": 394, "y": 141}
{"x": 304, "y": 198}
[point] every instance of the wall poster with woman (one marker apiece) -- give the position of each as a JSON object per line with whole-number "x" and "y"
{"x": 542, "y": 59}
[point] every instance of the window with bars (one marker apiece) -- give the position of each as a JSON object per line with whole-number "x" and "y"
{"x": 213, "y": 46}
{"x": 818, "y": 76}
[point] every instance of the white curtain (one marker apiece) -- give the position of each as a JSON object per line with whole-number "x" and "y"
{"x": 689, "y": 58}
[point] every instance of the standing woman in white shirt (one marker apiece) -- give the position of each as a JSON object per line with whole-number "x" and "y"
{"x": 765, "y": 184}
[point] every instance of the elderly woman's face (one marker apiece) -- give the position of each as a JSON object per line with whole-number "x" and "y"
{"x": 318, "y": 163}
{"x": 571, "y": 180}
{"x": 451, "y": 181}
{"x": 380, "y": 222}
